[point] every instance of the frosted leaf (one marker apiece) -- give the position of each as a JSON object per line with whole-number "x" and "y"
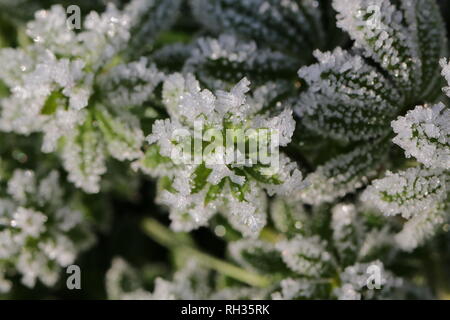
{"x": 84, "y": 159}
{"x": 191, "y": 281}
{"x": 34, "y": 266}
{"x": 288, "y": 216}
{"x": 258, "y": 256}
{"x": 373, "y": 241}
{"x": 343, "y": 174}
{"x": 284, "y": 123}
{"x": 30, "y": 222}
{"x": 148, "y": 18}
{"x": 10, "y": 244}
{"x": 64, "y": 123}
{"x": 188, "y": 283}
{"x": 272, "y": 95}
{"x": 61, "y": 249}
{"x": 295, "y": 289}
{"x": 421, "y": 227}
{"x": 293, "y": 26}
{"x": 206, "y": 179}
{"x": 346, "y": 98}
{"x": 446, "y": 74}
{"x": 246, "y": 212}
{"x": 21, "y": 185}
{"x": 16, "y": 118}
{"x": 427, "y": 28}
{"x": 53, "y": 80}
{"x": 228, "y": 59}
{"x": 424, "y": 133}
{"x": 185, "y": 100}
{"x": 120, "y": 279}
{"x": 40, "y": 229}
{"x": 232, "y": 103}
{"x": 409, "y": 192}
{"x": 130, "y": 84}
{"x": 405, "y": 38}
{"x": 49, "y": 29}
{"x": 122, "y": 134}
{"x": 347, "y": 292}
{"x": 343, "y": 225}
{"x": 185, "y": 220}
{"x": 105, "y": 35}
{"x": 288, "y": 178}
{"x": 19, "y": 62}
{"x": 306, "y": 256}
{"x": 172, "y": 57}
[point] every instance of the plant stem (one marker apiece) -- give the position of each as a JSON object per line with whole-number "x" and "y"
{"x": 178, "y": 242}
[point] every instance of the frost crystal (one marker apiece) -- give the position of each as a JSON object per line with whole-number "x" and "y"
{"x": 228, "y": 58}
{"x": 189, "y": 283}
{"x": 306, "y": 256}
{"x": 421, "y": 193}
{"x": 38, "y": 229}
{"x": 71, "y": 87}
{"x": 343, "y": 174}
{"x": 292, "y": 27}
{"x": 197, "y": 184}
{"x": 421, "y": 227}
{"x": 406, "y": 39}
{"x": 346, "y": 98}
{"x": 409, "y": 192}
{"x": 424, "y": 133}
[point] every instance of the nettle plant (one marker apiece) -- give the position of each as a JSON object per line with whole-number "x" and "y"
{"x": 311, "y": 137}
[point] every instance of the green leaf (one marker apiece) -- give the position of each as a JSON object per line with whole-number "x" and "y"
{"x": 214, "y": 191}
{"x": 259, "y": 256}
{"x": 54, "y": 100}
{"x": 153, "y": 159}
{"x": 200, "y": 178}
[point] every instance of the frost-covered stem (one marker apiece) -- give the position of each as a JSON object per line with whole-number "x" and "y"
{"x": 172, "y": 241}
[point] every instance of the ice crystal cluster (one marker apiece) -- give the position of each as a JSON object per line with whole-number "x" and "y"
{"x": 196, "y": 190}
{"x": 40, "y": 229}
{"x": 225, "y": 149}
{"x": 76, "y": 89}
